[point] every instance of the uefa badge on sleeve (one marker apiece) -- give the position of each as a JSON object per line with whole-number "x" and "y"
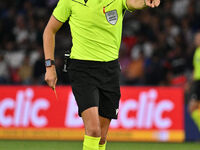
{"x": 112, "y": 17}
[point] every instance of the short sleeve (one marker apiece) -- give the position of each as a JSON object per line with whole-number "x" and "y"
{"x": 62, "y": 10}
{"x": 125, "y": 5}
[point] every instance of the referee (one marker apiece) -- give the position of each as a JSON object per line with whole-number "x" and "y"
{"x": 194, "y": 103}
{"x": 96, "y": 28}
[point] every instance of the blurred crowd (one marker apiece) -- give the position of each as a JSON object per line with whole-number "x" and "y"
{"x": 157, "y": 44}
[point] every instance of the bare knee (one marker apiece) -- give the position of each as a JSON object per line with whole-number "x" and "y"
{"x": 94, "y": 131}
{"x": 91, "y": 122}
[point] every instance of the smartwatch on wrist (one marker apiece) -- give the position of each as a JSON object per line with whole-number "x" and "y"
{"x": 49, "y": 62}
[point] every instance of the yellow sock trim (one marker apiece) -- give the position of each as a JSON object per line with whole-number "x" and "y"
{"x": 196, "y": 117}
{"x": 102, "y": 147}
{"x": 91, "y": 143}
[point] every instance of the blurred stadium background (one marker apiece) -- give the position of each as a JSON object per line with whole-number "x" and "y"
{"x": 156, "y": 58}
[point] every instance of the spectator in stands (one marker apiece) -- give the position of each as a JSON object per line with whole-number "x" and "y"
{"x": 159, "y": 33}
{"x": 4, "y": 74}
{"x": 25, "y": 71}
{"x": 21, "y": 32}
{"x": 14, "y": 59}
{"x": 39, "y": 69}
{"x": 135, "y": 70}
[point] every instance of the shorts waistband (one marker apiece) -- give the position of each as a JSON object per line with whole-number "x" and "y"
{"x": 90, "y": 62}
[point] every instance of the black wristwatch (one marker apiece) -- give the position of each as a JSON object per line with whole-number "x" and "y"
{"x": 49, "y": 62}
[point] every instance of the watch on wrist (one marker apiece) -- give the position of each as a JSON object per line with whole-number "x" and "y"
{"x": 49, "y": 62}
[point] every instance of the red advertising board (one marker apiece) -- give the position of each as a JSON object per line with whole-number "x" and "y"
{"x": 145, "y": 114}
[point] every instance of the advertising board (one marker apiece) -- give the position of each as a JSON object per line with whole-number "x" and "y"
{"x": 145, "y": 114}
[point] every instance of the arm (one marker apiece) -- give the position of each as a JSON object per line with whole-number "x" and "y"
{"x": 139, "y": 4}
{"x": 49, "y": 44}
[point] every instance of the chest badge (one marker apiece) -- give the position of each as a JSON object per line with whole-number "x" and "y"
{"x": 112, "y": 17}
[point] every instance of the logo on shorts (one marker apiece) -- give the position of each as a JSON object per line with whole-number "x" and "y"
{"x": 117, "y": 111}
{"x": 112, "y": 17}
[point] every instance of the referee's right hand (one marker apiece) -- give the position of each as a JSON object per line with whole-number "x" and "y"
{"x": 51, "y": 76}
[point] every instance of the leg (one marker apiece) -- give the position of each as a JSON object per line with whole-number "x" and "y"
{"x": 109, "y": 96}
{"x": 104, "y": 122}
{"x": 194, "y": 111}
{"x": 92, "y": 129}
{"x": 91, "y": 122}
{"x": 195, "y": 114}
{"x": 86, "y": 92}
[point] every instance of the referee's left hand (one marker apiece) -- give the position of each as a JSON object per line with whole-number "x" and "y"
{"x": 51, "y": 77}
{"x": 152, "y": 3}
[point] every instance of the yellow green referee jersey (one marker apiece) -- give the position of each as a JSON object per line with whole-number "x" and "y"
{"x": 196, "y": 64}
{"x": 96, "y": 27}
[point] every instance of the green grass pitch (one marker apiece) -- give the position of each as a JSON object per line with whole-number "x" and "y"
{"x": 69, "y": 145}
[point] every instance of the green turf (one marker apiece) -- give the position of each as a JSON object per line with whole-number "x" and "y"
{"x": 64, "y": 145}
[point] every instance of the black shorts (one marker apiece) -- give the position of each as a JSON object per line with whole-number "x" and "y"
{"x": 196, "y": 90}
{"x": 96, "y": 84}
